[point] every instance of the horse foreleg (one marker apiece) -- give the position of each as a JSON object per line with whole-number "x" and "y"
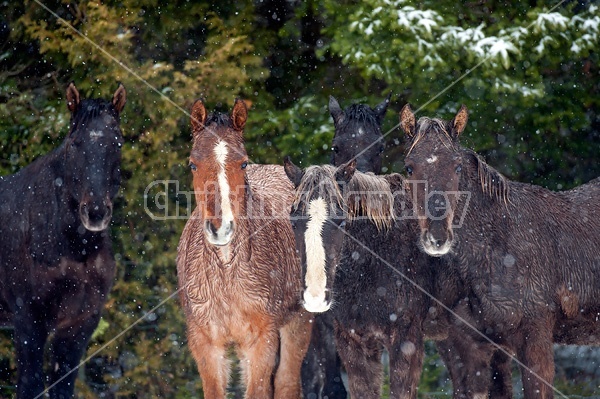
{"x": 257, "y": 360}
{"x": 333, "y": 386}
{"x": 406, "y": 362}
{"x": 295, "y": 337}
{"x": 501, "y": 384}
{"x": 468, "y": 362}
{"x": 536, "y": 354}
{"x": 29, "y": 337}
{"x": 211, "y": 360}
{"x": 67, "y": 348}
{"x": 361, "y": 356}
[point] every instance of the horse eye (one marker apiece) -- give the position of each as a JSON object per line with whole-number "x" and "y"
{"x": 244, "y": 165}
{"x": 409, "y": 170}
{"x": 335, "y": 149}
{"x": 193, "y": 166}
{"x": 458, "y": 168}
{"x": 381, "y": 149}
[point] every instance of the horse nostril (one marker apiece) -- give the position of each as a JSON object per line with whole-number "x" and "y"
{"x": 211, "y": 228}
{"x": 431, "y": 239}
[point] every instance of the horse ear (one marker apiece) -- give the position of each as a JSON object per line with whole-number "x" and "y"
{"x": 382, "y": 107}
{"x": 345, "y": 172}
{"x": 198, "y": 116}
{"x": 72, "y": 97}
{"x": 335, "y": 110}
{"x": 460, "y": 121}
{"x": 407, "y": 121}
{"x": 119, "y": 98}
{"x": 293, "y": 172}
{"x": 239, "y": 114}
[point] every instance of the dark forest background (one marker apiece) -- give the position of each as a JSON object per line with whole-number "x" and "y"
{"x": 532, "y": 87}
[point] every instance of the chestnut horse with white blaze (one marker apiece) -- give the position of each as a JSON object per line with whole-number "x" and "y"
{"x": 238, "y": 271}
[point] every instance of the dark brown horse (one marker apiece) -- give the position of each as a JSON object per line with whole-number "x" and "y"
{"x": 55, "y": 253}
{"x": 238, "y": 271}
{"x": 354, "y": 233}
{"x": 357, "y": 136}
{"x": 531, "y": 255}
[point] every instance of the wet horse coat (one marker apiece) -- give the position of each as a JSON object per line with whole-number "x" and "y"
{"x": 362, "y": 278}
{"x": 357, "y": 136}
{"x": 531, "y": 255}
{"x": 237, "y": 268}
{"x": 55, "y": 253}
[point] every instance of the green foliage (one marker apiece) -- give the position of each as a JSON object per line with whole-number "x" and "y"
{"x": 520, "y": 71}
{"x": 528, "y": 75}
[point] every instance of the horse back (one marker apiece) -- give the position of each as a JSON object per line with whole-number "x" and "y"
{"x": 545, "y": 246}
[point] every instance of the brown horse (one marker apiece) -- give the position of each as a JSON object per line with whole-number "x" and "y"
{"x": 531, "y": 255}
{"x": 237, "y": 267}
{"x": 355, "y": 236}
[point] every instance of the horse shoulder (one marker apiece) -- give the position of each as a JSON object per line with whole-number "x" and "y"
{"x": 271, "y": 184}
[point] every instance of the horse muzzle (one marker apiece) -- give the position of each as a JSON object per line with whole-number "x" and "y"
{"x": 94, "y": 215}
{"x": 316, "y": 303}
{"x": 436, "y": 243}
{"x": 220, "y": 236}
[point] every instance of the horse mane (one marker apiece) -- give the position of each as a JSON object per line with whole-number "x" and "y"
{"x": 492, "y": 182}
{"x": 370, "y": 196}
{"x": 425, "y": 124}
{"x": 366, "y": 195}
{"x": 89, "y": 109}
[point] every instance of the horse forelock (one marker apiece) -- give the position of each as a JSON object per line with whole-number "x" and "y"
{"x": 361, "y": 113}
{"x": 217, "y": 128}
{"x": 370, "y": 196}
{"x": 219, "y": 119}
{"x": 318, "y": 181}
{"x": 432, "y": 126}
{"x": 90, "y": 109}
{"x": 366, "y": 195}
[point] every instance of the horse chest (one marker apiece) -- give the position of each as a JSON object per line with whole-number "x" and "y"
{"x": 227, "y": 297}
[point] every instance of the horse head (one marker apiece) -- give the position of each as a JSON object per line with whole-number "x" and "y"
{"x": 358, "y": 134}
{"x": 318, "y": 218}
{"x": 218, "y": 161}
{"x": 433, "y": 163}
{"x": 93, "y": 156}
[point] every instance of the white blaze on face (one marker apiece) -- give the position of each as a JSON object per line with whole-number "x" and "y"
{"x": 432, "y": 159}
{"x": 315, "y": 279}
{"x": 226, "y": 211}
{"x": 95, "y": 135}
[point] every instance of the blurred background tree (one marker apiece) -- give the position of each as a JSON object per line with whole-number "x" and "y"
{"x": 528, "y": 74}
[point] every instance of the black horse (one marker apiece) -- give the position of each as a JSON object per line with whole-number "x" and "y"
{"x": 55, "y": 253}
{"x": 354, "y": 234}
{"x": 531, "y": 255}
{"x": 357, "y": 136}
